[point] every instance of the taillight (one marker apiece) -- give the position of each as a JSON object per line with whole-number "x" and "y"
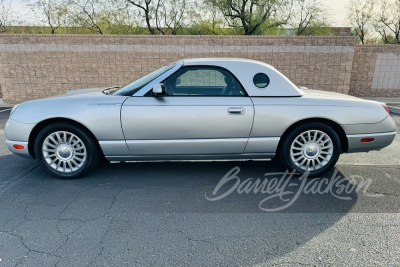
{"x": 18, "y": 147}
{"x": 367, "y": 140}
{"x": 386, "y": 108}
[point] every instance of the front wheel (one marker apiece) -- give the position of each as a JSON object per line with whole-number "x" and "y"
{"x": 66, "y": 150}
{"x": 313, "y": 147}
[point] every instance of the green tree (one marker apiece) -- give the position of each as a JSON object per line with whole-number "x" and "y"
{"x": 310, "y": 17}
{"x": 249, "y": 15}
{"x": 387, "y": 22}
{"x": 147, "y": 9}
{"x": 54, "y": 12}
{"x": 6, "y": 14}
{"x": 86, "y": 14}
{"x": 360, "y": 14}
{"x": 171, "y": 15}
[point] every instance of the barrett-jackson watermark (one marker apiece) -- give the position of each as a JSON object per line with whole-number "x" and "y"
{"x": 273, "y": 187}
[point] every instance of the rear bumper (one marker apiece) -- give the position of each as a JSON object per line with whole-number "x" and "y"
{"x": 20, "y": 152}
{"x": 381, "y": 140}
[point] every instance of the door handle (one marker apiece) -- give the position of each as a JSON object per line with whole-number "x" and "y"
{"x": 236, "y": 111}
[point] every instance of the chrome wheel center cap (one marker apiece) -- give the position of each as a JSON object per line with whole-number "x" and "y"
{"x": 311, "y": 151}
{"x": 64, "y": 152}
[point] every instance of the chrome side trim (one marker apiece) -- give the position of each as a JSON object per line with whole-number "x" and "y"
{"x": 192, "y": 157}
{"x": 104, "y": 104}
{"x": 20, "y": 152}
{"x": 262, "y": 145}
{"x": 381, "y": 140}
{"x": 186, "y": 146}
{"x": 370, "y": 135}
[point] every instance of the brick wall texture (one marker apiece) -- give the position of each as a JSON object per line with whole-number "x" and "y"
{"x": 376, "y": 71}
{"x": 39, "y": 66}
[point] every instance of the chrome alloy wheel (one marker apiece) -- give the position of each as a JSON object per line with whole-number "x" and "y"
{"x": 311, "y": 150}
{"x": 64, "y": 151}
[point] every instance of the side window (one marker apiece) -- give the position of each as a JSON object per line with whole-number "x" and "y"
{"x": 202, "y": 81}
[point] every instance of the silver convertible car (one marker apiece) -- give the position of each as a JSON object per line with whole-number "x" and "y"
{"x": 198, "y": 109}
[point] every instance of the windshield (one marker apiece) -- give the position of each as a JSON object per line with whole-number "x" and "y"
{"x": 133, "y": 87}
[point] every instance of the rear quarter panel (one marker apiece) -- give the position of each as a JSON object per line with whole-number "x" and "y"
{"x": 273, "y": 115}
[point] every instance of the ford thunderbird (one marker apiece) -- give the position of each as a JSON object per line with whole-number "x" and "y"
{"x": 198, "y": 109}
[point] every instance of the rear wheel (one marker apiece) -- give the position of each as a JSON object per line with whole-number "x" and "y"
{"x": 66, "y": 150}
{"x": 313, "y": 147}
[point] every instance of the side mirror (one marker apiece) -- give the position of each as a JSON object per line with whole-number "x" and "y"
{"x": 159, "y": 89}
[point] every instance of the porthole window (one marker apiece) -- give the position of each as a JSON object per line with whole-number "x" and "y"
{"x": 261, "y": 80}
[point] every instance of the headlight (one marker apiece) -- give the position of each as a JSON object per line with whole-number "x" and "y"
{"x": 13, "y": 109}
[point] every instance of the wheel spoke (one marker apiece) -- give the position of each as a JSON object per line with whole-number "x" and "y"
{"x": 315, "y": 136}
{"x": 298, "y": 143}
{"x": 304, "y": 160}
{"x": 327, "y": 140}
{"x": 52, "y": 139}
{"x": 74, "y": 162}
{"x": 50, "y": 145}
{"x": 53, "y": 161}
{"x": 323, "y": 157}
{"x": 58, "y": 137}
{"x": 69, "y": 165}
{"x": 300, "y": 158}
{"x": 58, "y": 165}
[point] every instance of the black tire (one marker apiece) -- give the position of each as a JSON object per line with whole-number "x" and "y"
{"x": 92, "y": 153}
{"x": 285, "y": 152}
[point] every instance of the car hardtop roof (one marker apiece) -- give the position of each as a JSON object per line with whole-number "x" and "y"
{"x": 211, "y": 61}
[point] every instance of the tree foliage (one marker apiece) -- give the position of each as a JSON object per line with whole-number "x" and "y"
{"x": 249, "y": 15}
{"x": 5, "y": 15}
{"x": 310, "y": 17}
{"x": 360, "y": 14}
{"x": 387, "y": 22}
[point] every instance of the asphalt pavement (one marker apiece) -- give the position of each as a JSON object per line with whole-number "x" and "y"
{"x": 165, "y": 214}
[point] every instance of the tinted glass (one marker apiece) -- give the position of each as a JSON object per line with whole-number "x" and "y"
{"x": 135, "y": 86}
{"x": 203, "y": 81}
{"x": 261, "y": 80}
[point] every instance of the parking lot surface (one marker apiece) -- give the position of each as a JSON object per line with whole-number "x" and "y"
{"x": 160, "y": 214}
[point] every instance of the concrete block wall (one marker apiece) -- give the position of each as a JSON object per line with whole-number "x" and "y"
{"x": 38, "y": 66}
{"x": 376, "y": 71}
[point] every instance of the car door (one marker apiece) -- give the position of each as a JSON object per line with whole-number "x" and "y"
{"x": 204, "y": 111}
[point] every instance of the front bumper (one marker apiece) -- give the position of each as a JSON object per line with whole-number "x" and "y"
{"x": 17, "y": 133}
{"x": 381, "y": 140}
{"x": 20, "y": 152}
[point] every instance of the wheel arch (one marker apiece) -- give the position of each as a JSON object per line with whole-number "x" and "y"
{"x": 338, "y": 129}
{"x": 41, "y": 125}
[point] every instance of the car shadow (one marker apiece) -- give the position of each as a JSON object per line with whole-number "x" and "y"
{"x": 151, "y": 197}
